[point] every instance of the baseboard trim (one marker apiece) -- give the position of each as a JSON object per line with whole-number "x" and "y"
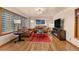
{"x": 72, "y": 44}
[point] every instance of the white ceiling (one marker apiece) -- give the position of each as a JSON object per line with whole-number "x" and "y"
{"x": 30, "y": 12}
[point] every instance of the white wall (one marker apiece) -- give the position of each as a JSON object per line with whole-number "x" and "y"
{"x": 48, "y": 22}
{"x": 69, "y": 18}
{"x": 27, "y": 23}
{"x": 32, "y": 24}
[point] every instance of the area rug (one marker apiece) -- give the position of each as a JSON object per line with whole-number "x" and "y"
{"x": 44, "y": 38}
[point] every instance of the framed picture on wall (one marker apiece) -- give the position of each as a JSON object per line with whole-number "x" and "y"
{"x": 40, "y": 21}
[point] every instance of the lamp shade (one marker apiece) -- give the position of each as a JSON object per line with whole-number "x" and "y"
{"x": 17, "y": 21}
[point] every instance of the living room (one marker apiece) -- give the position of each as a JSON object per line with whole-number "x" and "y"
{"x": 38, "y": 20}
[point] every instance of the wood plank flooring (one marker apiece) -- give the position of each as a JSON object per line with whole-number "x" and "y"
{"x": 54, "y": 45}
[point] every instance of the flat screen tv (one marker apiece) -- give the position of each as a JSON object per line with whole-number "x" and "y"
{"x": 40, "y": 21}
{"x": 57, "y": 23}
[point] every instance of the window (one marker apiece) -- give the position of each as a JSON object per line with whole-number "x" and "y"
{"x": 7, "y": 21}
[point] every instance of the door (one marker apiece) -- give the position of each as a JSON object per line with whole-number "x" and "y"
{"x": 77, "y": 23}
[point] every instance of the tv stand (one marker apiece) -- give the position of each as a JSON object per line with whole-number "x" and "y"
{"x": 59, "y": 33}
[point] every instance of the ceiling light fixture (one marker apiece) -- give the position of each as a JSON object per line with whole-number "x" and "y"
{"x": 39, "y": 10}
{"x": 32, "y": 21}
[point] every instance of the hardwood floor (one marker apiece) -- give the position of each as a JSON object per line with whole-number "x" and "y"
{"x": 54, "y": 45}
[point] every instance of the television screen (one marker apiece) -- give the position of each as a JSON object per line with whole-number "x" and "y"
{"x": 57, "y": 23}
{"x": 39, "y": 21}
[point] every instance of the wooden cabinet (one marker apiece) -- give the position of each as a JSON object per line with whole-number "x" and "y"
{"x": 59, "y": 33}
{"x": 62, "y": 35}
